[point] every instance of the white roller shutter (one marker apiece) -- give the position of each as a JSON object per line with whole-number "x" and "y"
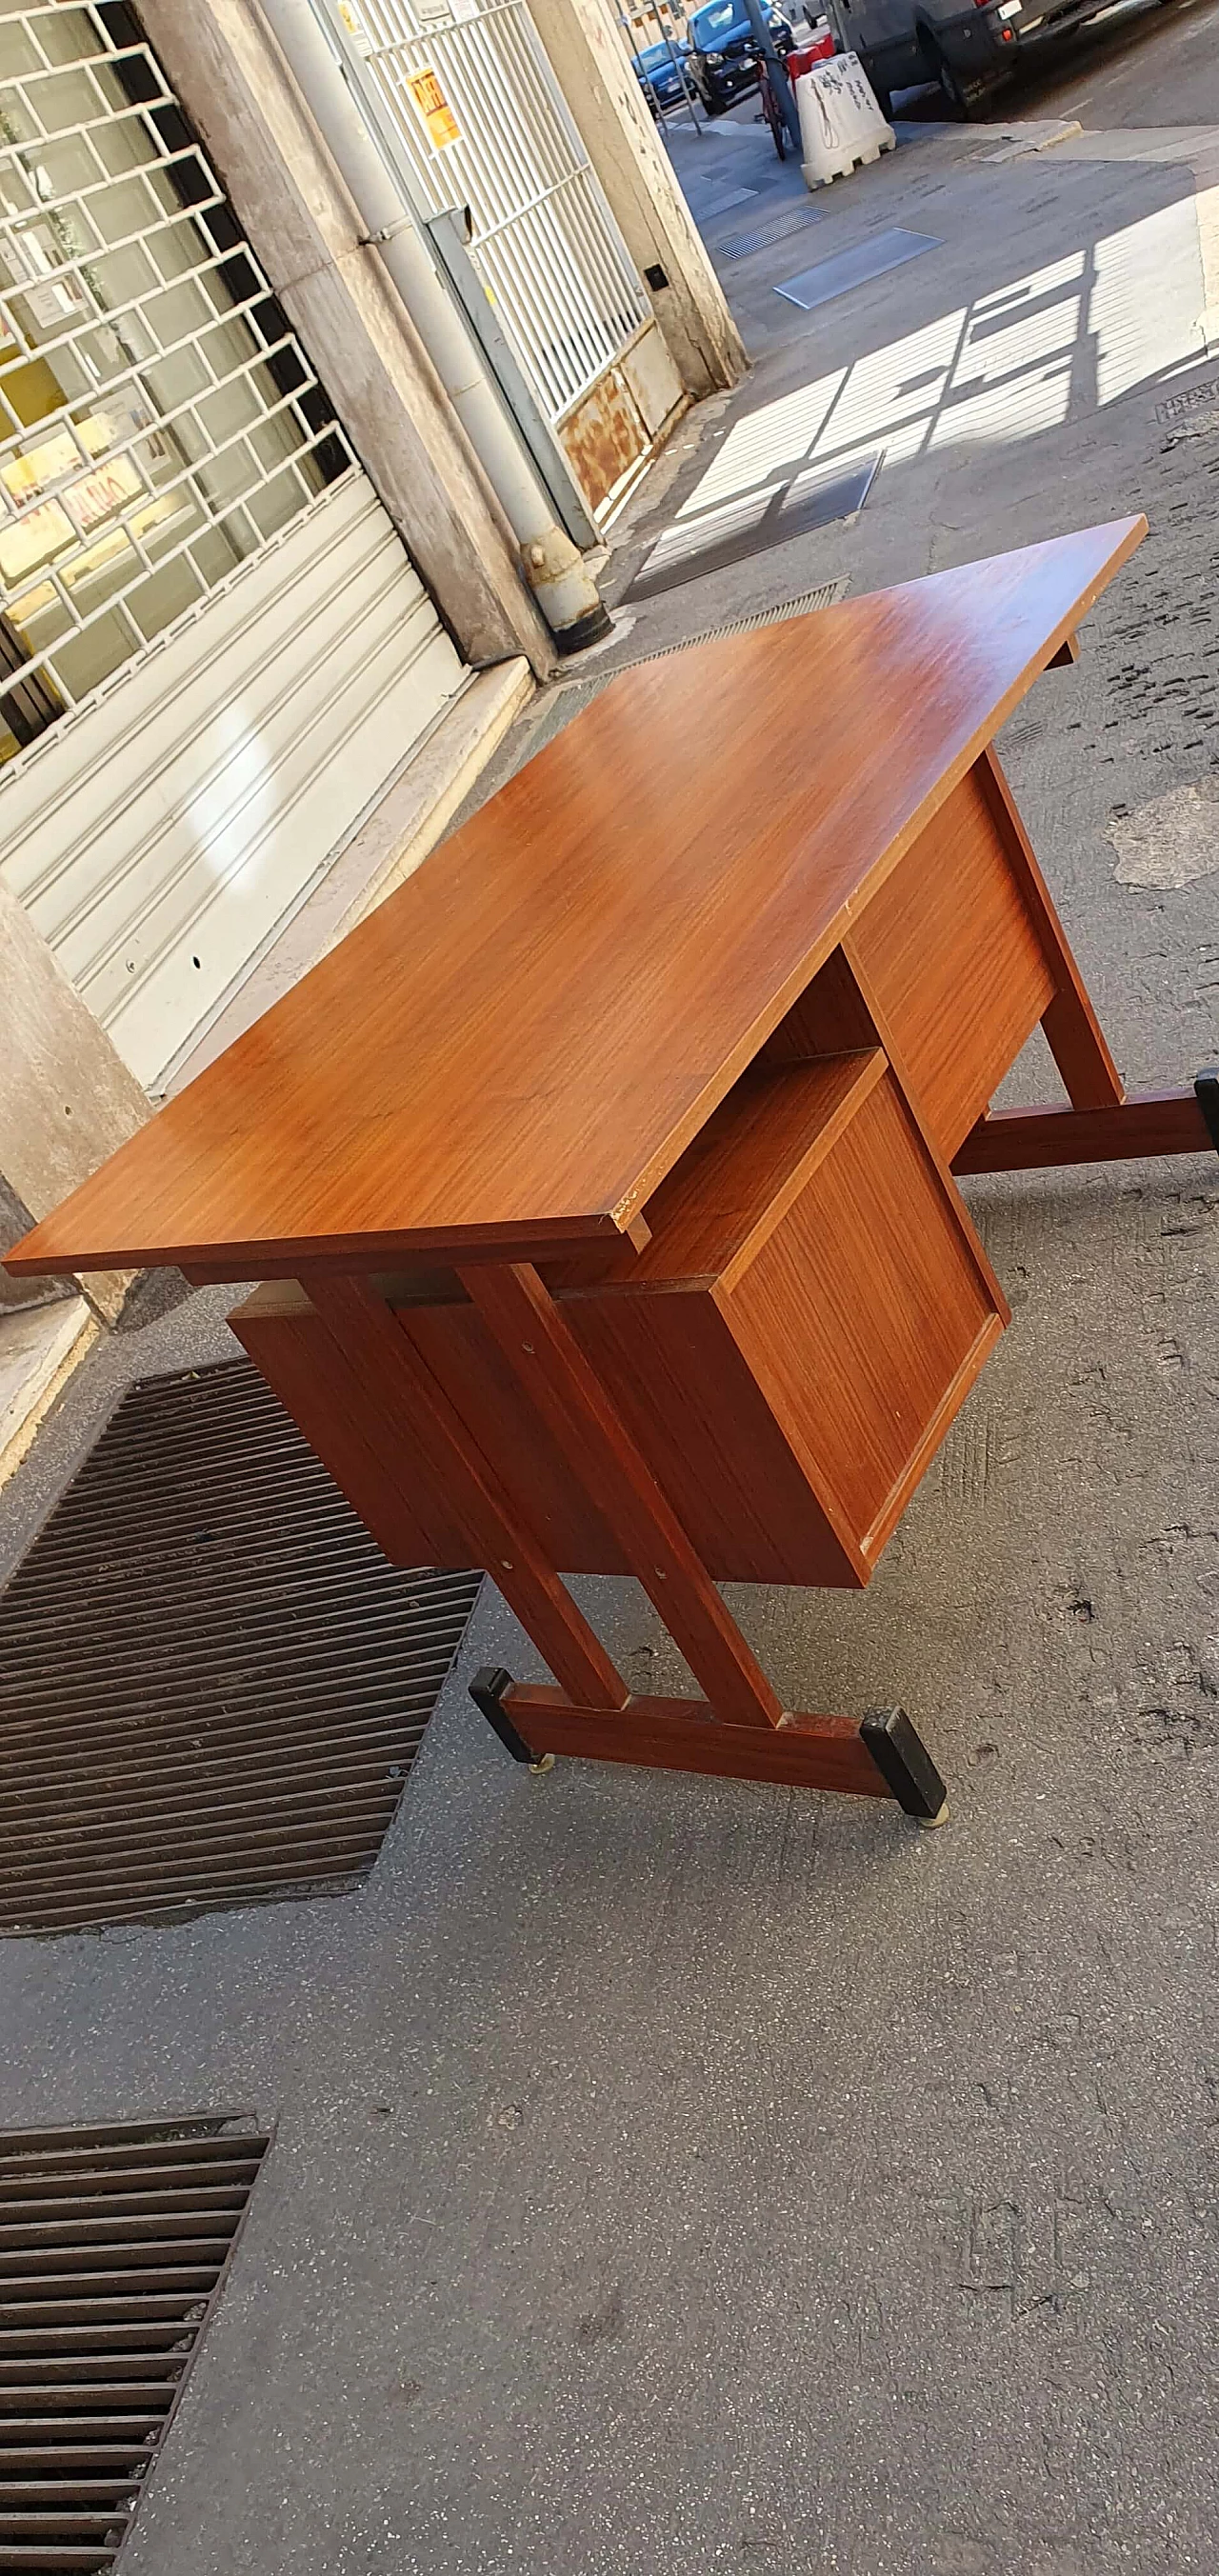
{"x": 159, "y": 834}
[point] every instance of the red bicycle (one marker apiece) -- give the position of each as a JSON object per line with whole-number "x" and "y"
{"x": 771, "y": 109}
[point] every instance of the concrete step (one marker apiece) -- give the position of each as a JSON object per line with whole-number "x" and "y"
{"x": 39, "y": 1348}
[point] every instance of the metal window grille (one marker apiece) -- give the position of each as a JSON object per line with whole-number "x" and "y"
{"x": 159, "y": 423}
{"x": 473, "y": 103}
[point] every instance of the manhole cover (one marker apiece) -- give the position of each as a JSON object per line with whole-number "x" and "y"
{"x": 212, "y": 1683}
{"x": 855, "y": 267}
{"x": 113, "y": 2244}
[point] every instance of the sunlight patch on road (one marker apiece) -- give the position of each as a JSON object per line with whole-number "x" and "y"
{"x": 1147, "y": 296}
{"x": 1059, "y": 342}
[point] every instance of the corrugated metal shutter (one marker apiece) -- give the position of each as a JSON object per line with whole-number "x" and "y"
{"x": 159, "y": 834}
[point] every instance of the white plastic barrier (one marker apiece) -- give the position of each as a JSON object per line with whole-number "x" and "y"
{"x": 840, "y": 122}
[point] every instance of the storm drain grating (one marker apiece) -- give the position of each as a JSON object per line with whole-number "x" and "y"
{"x": 826, "y": 595}
{"x": 1178, "y": 405}
{"x": 212, "y": 1683}
{"x": 792, "y": 220}
{"x": 113, "y": 2243}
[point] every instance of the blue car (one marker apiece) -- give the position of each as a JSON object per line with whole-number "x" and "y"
{"x": 661, "y": 74}
{"x": 723, "y": 55}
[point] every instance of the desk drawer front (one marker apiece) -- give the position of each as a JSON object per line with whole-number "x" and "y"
{"x": 866, "y": 1318}
{"x": 790, "y": 1395}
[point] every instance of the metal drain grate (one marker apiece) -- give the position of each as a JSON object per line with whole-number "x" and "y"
{"x": 212, "y": 1683}
{"x": 1178, "y": 405}
{"x": 826, "y": 595}
{"x": 113, "y": 2244}
{"x": 792, "y": 220}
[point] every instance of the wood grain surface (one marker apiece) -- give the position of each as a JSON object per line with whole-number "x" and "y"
{"x": 682, "y": 1735}
{"x": 515, "y": 1048}
{"x": 956, "y": 961}
{"x": 1029, "y": 1140}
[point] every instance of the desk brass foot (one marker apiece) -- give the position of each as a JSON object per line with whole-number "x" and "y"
{"x": 881, "y": 1757}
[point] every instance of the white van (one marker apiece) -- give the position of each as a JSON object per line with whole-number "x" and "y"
{"x": 968, "y": 50}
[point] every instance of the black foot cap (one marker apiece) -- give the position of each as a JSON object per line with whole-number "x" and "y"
{"x": 487, "y": 1692}
{"x": 904, "y": 1763}
{"x": 1206, "y": 1087}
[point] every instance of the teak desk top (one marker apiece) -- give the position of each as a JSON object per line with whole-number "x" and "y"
{"x": 516, "y": 1047}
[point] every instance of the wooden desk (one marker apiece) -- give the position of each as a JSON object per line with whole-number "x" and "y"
{"x": 601, "y": 1183}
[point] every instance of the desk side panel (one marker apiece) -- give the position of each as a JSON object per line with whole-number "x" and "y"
{"x": 696, "y": 1410}
{"x": 372, "y": 1458}
{"x": 865, "y": 1318}
{"x": 954, "y": 963}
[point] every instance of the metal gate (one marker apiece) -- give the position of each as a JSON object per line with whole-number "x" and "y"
{"x": 470, "y": 104}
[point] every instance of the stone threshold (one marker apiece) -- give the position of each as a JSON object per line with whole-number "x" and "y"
{"x": 39, "y": 1348}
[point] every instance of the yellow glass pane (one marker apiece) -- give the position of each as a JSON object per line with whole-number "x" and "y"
{"x": 32, "y": 391}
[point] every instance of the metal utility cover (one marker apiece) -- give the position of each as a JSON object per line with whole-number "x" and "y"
{"x": 113, "y": 2245}
{"x": 212, "y": 1683}
{"x": 750, "y": 525}
{"x": 1193, "y": 396}
{"x": 849, "y": 268}
{"x": 792, "y": 220}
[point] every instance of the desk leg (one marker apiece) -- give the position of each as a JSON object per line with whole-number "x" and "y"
{"x": 1154, "y": 1122}
{"x": 882, "y": 1758}
{"x": 1100, "y": 1125}
{"x": 741, "y": 1731}
{"x": 563, "y": 1387}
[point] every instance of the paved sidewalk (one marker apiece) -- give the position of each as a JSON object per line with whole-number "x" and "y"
{"x": 676, "y": 2175}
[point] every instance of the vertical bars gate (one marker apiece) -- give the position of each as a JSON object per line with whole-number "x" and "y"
{"x": 478, "y": 115}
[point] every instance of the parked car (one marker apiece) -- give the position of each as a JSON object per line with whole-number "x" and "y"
{"x": 723, "y": 56}
{"x": 970, "y": 51}
{"x": 661, "y": 72}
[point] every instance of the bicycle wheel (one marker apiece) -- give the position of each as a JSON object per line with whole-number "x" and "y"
{"x": 773, "y": 114}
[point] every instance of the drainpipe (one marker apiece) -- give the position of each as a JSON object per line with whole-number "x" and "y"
{"x": 553, "y": 567}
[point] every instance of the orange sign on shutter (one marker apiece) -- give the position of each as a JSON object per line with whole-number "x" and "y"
{"x": 434, "y": 108}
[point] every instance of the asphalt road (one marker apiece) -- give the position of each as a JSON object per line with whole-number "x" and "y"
{"x": 1140, "y": 65}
